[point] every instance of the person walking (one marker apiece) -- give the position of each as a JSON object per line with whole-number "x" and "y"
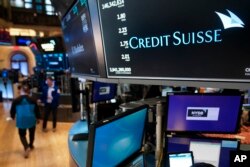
{"x": 50, "y": 98}
{"x": 26, "y": 112}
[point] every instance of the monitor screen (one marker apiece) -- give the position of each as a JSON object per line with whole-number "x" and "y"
{"x": 205, "y": 150}
{"x": 113, "y": 141}
{"x": 103, "y": 91}
{"x": 54, "y": 61}
{"x": 79, "y": 40}
{"x": 183, "y": 159}
{"x": 176, "y": 39}
{"x": 23, "y": 40}
{"x": 210, "y": 113}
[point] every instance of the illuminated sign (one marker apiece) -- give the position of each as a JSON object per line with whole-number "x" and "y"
{"x": 203, "y": 113}
{"x": 49, "y": 47}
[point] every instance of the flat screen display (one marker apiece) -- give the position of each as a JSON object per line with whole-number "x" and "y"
{"x": 54, "y": 61}
{"x": 79, "y": 40}
{"x": 211, "y": 113}
{"x": 113, "y": 141}
{"x": 103, "y": 91}
{"x": 23, "y": 40}
{"x": 205, "y": 150}
{"x": 176, "y": 39}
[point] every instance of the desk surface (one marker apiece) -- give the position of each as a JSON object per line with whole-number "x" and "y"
{"x": 78, "y": 149}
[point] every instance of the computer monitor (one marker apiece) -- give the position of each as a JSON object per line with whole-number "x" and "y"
{"x": 206, "y": 113}
{"x": 113, "y": 141}
{"x": 54, "y": 61}
{"x": 103, "y": 91}
{"x": 180, "y": 159}
{"x": 215, "y": 151}
{"x": 79, "y": 40}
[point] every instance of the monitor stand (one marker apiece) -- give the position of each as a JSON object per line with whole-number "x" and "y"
{"x": 80, "y": 136}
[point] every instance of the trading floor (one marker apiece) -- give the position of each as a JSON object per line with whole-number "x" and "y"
{"x": 51, "y": 148}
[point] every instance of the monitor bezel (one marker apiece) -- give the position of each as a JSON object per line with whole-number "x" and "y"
{"x": 93, "y": 127}
{"x": 204, "y": 94}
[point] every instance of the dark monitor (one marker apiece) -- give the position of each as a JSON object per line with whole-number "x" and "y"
{"x": 79, "y": 40}
{"x": 103, "y": 91}
{"x": 113, "y": 141}
{"x": 180, "y": 159}
{"x": 213, "y": 151}
{"x": 207, "y": 113}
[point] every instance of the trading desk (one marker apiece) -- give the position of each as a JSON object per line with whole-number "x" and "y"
{"x": 78, "y": 149}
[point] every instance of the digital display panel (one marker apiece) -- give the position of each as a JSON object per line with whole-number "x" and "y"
{"x": 205, "y": 150}
{"x": 103, "y": 91}
{"x": 118, "y": 139}
{"x": 176, "y": 39}
{"x": 180, "y": 159}
{"x": 214, "y": 113}
{"x": 54, "y": 61}
{"x": 79, "y": 40}
{"x": 23, "y": 40}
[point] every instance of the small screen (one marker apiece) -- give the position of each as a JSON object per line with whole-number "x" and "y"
{"x": 117, "y": 140}
{"x": 103, "y": 91}
{"x": 180, "y": 159}
{"x": 207, "y": 150}
{"x": 203, "y": 112}
{"x": 54, "y": 61}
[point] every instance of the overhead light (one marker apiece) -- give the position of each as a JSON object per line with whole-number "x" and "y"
{"x": 22, "y": 32}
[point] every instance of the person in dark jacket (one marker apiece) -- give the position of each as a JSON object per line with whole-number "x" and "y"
{"x": 50, "y": 99}
{"x": 26, "y": 112}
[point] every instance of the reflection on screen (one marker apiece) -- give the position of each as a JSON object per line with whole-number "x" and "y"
{"x": 201, "y": 150}
{"x": 117, "y": 140}
{"x": 137, "y": 162}
{"x": 180, "y": 160}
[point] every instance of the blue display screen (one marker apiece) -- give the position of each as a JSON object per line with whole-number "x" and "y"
{"x": 54, "y": 61}
{"x": 103, "y": 91}
{"x": 114, "y": 142}
{"x": 204, "y": 113}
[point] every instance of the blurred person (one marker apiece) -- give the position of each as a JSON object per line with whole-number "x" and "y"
{"x": 26, "y": 112}
{"x": 50, "y": 98}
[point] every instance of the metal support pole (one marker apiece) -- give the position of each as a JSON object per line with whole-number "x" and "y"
{"x": 158, "y": 149}
{"x": 82, "y": 87}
